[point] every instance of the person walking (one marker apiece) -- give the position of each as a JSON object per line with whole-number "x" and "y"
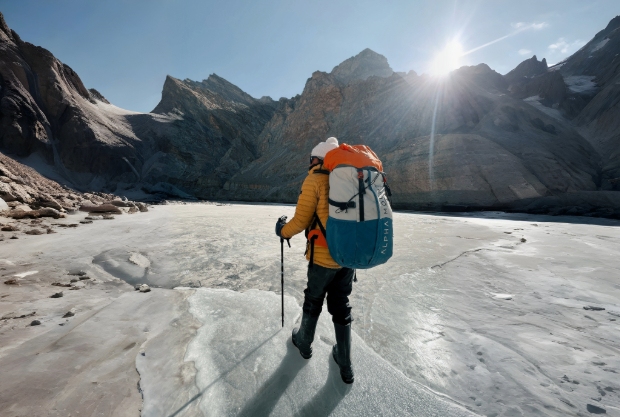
{"x": 325, "y": 276}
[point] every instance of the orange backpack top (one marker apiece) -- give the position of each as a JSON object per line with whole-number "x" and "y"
{"x": 357, "y": 156}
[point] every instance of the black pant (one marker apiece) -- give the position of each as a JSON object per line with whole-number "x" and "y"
{"x": 337, "y": 284}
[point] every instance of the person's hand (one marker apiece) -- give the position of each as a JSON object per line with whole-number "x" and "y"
{"x": 279, "y": 225}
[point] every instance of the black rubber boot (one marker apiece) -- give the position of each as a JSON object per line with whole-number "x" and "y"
{"x": 341, "y": 352}
{"x": 304, "y": 335}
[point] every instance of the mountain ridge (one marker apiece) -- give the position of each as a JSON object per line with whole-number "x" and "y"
{"x": 210, "y": 139}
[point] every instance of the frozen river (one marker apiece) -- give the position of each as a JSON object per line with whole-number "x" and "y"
{"x": 491, "y": 314}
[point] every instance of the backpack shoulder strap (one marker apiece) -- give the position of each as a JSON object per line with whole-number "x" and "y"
{"x": 310, "y": 244}
{"x": 318, "y": 222}
{"x": 321, "y": 171}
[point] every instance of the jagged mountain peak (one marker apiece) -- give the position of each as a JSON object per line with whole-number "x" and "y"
{"x": 598, "y": 57}
{"x": 213, "y": 83}
{"x": 226, "y": 89}
{"x": 528, "y": 68}
{"x": 95, "y": 94}
{"x": 611, "y": 26}
{"x": 483, "y": 75}
{"x": 4, "y": 28}
{"x": 367, "y": 52}
{"x": 361, "y": 66}
{"x": 215, "y": 90}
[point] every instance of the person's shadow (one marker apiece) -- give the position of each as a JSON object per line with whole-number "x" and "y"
{"x": 266, "y": 398}
{"x": 328, "y": 398}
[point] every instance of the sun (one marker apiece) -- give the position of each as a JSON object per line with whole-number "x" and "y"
{"x": 447, "y": 60}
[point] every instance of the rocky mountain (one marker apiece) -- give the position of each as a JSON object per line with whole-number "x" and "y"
{"x": 484, "y": 149}
{"x": 195, "y": 138}
{"x": 45, "y": 108}
{"x": 581, "y": 91}
{"x": 595, "y": 71}
{"x": 225, "y": 122}
{"x": 536, "y": 139}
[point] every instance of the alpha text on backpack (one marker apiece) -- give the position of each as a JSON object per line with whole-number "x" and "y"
{"x": 359, "y": 227}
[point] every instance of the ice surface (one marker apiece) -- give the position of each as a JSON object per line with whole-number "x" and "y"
{"x": 120, "y": 263}
{"x": 429, "y": 317}
{"x": 583, "y": 84}
{"x": 247, "y": 366}
{"x": 86, "y": 365}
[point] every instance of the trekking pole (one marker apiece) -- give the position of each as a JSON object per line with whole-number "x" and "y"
{"x": 282, "y": 268}
{"x": 282, "y": 220}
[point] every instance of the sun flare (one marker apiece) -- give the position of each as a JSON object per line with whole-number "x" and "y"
{"x": 447, "y": 60}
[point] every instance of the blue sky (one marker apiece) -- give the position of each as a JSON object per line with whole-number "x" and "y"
{"x": 125, "y": 48}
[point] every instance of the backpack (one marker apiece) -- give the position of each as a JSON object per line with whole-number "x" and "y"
{"x": 359, "y": 227}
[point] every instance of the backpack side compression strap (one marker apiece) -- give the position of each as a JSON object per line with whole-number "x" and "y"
{"x": 343, "y": 206}
{"x": 362, "y": 191}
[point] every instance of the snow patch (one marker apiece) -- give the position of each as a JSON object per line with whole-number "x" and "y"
{"x": 535, "y": 102}
{"x": 37, "y": 162}
{"x": 25, "y": 274}
{"x": 503, "y": 296}
{"x": 556, "y": 66}
{"x": 582, "y": 84}
{"x": 111, "y": 109}
{"x": 600, "y": 45}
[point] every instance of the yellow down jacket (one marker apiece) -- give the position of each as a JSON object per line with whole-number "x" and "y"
{"x": 313, "y": 199}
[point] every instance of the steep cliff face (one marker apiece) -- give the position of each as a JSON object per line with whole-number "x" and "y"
{"x": 225, "y": 122}
{"x": 45, "y": 108}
